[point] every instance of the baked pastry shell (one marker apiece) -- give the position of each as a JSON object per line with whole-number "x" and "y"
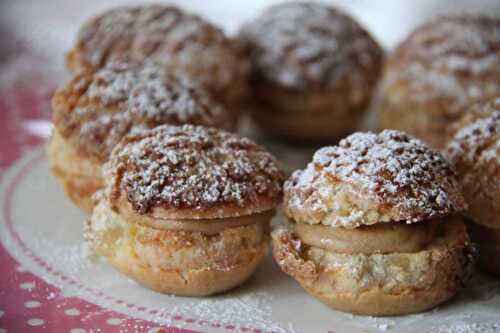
{"x": 433, "y": 76}
{"x": 227, "y": 79}
{"x": 371, "y": 178}
{"x": 473, "y": 150}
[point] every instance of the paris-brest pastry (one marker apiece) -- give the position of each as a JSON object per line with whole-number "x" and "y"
{"x": 474, "y": 151}
{"x": 437, "y": 72}
{"x": 314, "y": 70}
{"x": 95, "y": 110}
{"x": 186, "y": 210}
{"x": 374, "y": 228}
{"x": 163, "y": 33}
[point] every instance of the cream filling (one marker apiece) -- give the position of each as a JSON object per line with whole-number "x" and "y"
{"x": 206, "y": 226}
{"x": 381, "y": 238}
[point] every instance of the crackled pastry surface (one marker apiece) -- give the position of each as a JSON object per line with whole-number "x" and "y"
{"x": 453, "y": 59}
{"x": 312, "y": 46}
{"x": 95, "y": 110}
{"x": 194, "y": 172}
{"x": 160, "y": 33}
{"x": 371, "y": 178}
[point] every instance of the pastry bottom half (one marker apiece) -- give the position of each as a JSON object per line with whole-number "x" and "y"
{"x": 306, "y": 116}
{"x": 380, "y": 284}
{"x": 176, "y": 262}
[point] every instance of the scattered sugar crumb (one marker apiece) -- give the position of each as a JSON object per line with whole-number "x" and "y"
{"x": 463, "y": 327}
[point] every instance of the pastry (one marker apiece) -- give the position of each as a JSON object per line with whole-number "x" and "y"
{"x": 314, "y": 70}
{"x": 441, "y": 68}
{"x": 474, "y": 151}
{"x": 374, "y": 229}
{"x": 181, "y": 41}
{"x": 186, "y": 210}
{"x": 95, "y": 110}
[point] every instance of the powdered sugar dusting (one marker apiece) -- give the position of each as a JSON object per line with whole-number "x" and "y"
{"x": 454, "y": 59}
{"x": 463, "y": 327}
{"x": 248, "y": 310}
{"x": 310, "y": 45}
{"x": 97, "y": 109}
{"x": 400, "y": 172}
{"x": 195, "y": 167}
{"x": 474, "y": 151}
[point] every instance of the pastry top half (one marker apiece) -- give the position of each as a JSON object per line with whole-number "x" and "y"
{"x": 160, "y": 33}
{"x": 192, "y": 172}
{"x": 373, "y": 178}
{"x": 95, "y": 110}
{"x": 446, "y": 63}
{"x": 474, "y": 151}
{"x": 313, "y": 47}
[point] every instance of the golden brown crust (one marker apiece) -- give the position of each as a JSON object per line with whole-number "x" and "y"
{"x": 198, "y": 283}
{"x": 193, "y": 172}
{"x": 79, "y": 177}
{"x": 487, "y": 241}
{"x": 440, "y": 69}
{"x": 95, "y": 110}
{"x": 381, "y": 284}
{"x": 165, "y": 34}
{"x": 474, "y": 151}
{"x": 372, "y": 178}
{"x": 177, "y": 262}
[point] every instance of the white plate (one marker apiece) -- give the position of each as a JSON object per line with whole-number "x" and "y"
{"x": 50, "y": 226}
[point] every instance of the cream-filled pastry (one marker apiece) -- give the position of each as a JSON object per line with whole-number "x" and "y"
{"x": 186, "y": 210}
{"x": 95, "y": 110}
{"x": 474, "y": 150}
{"x": 179, "y": 41}
{"x": 314, "y": 70}
{"x": 440, "y": 69}
{"x": 374, "y": 228}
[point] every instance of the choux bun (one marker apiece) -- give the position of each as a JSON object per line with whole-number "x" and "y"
{"x": 374, "y": 227}
{"x": 186, "y": 210}
{"x": 437, "y": 72}
{"x": 314, "y": 70}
